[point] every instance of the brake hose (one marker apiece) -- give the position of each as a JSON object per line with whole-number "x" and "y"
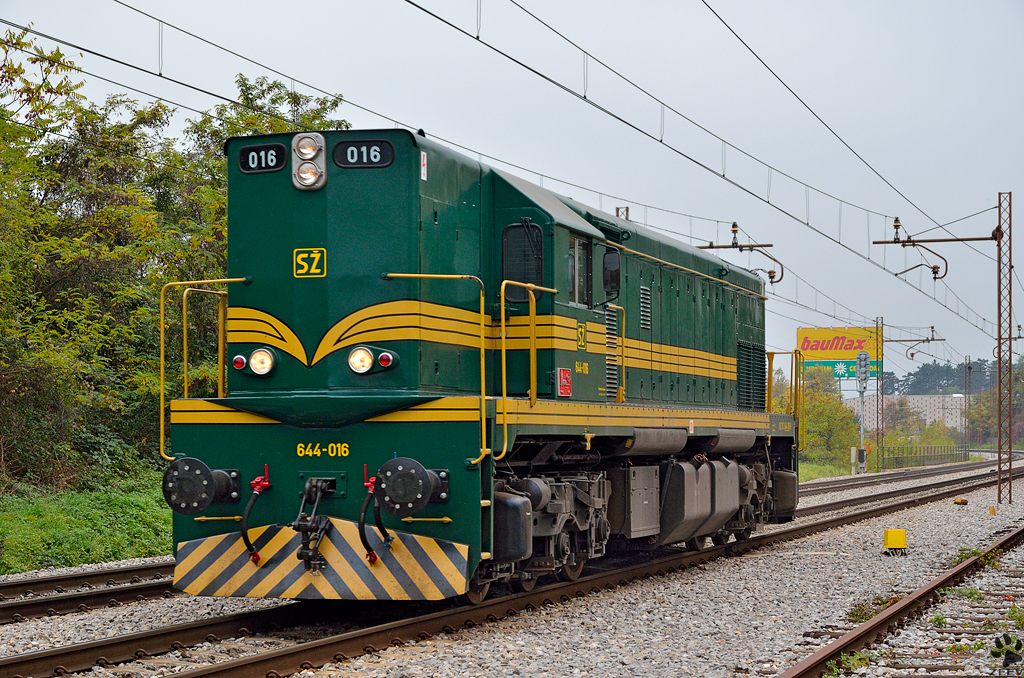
{"x": 380, "y": 524}
{"x": 370, "y": 554}
{"x": 258, "y": 485}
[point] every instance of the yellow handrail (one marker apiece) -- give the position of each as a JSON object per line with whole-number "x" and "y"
{"x": 530, "y": 287}
{"x": 796, "y": 388}
{"x": 484, "y": 450}
{"x": 620, "y": 395}
{"x": 163, "y": 291}
{"x": 221, "y": 311}
{"x": 687, "y": 270}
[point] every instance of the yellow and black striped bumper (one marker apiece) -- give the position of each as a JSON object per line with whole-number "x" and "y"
{"x": 415, "y": 568}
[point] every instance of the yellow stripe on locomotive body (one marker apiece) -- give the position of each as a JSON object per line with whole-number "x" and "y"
{"x": 196, "y": 411}
{"x": 413, "y": 568}
{"x": 421, "y": 321}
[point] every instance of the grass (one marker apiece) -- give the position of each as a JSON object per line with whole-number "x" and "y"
{"x": 1016, "y": 615}
{"x": 869, "y": 607}
{"x": 987, "y": 559}
{"x": 813, "y": 471}
{"x": 129, "y": 520}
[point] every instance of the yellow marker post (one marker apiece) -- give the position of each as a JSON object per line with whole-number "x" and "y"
{"x": 895, "y": 542}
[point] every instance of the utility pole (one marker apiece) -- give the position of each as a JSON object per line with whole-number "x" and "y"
{"x": 967, "y": 402}
{"x": 880, "y": 391}
{"x": 1004, "y": 349}
{"x": 1004, "y": 333}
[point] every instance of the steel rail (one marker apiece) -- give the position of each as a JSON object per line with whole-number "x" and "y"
{"x": 21, "y": 609}
{"x": 812, "y": 488}
{"x": 965, "y": 485}
{"x": 59, "y": 583}
{"x": 881, "y": 625}
{"x": 62, "y": 660}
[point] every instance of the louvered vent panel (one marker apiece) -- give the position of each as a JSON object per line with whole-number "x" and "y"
{"x": 611, "y": 358}
{"x": 645, "y": 308}
{"x": 751, "y": 380}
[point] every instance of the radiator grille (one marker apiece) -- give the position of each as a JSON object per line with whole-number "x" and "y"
{"x": 611, "y": 357}
{"x": 750, "y": 376}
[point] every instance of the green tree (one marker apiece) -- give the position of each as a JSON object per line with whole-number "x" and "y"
{"x": 98, "y": 210}
{"x": 830, "y": 427}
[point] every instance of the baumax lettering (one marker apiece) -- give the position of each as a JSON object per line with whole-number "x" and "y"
{"x": 836, "y": 343}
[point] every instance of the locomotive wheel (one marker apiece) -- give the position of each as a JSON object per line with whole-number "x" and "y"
{"x": 476, "y": 593}
{"x": 697, "y": 543}
{"x": 572, "y": 571}
{"x": 523, "y": 585}
{"x": 719, "y": 539}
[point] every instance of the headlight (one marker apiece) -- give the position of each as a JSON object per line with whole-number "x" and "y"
{"x": 360, "y": 360}
{"x": 261, "y": 361}
{"x": 307, "y": 174}
{"x": 306, "y": 147}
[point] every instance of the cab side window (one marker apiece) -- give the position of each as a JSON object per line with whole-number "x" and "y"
{"x": 579, "y": 270}
{"x": 522, "y": 259}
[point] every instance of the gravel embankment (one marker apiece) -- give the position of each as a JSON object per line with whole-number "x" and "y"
{"x": 733, "y": 614}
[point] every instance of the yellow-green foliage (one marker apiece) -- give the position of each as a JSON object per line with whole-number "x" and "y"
{"x": 97, "y": 211}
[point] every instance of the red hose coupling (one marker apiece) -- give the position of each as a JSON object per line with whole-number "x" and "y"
{"x": 262, "y": 482}
{"x": 372, "y": 557}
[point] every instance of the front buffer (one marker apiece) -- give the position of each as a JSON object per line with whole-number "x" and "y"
{"x": 386, "y": 509}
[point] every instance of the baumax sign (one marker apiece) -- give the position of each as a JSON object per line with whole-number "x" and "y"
{"x": 836, "y": 343}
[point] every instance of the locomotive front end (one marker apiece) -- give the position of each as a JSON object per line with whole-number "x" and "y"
{"x": 329, "y": 470}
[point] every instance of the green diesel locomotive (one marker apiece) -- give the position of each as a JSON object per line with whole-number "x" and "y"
{"x": 441, "y": 375}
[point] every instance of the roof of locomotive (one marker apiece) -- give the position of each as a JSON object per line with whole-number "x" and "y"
{"x": 591, "y": 221}
{"x": 665, "y": 247}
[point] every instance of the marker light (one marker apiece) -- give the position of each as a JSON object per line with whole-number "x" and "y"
{"x": 261, "y": 361}
{"x": 239, "y": 362}
{"x": 385, "y": 359}
{"x": 360, "y": 360}
{"x": 306, "y": 147}
{"x": 307, "y": 174}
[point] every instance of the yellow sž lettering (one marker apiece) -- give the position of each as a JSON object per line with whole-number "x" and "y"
{"x": 310, "y": 262}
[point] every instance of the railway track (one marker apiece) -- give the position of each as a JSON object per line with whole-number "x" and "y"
{"x": 22, "y": 599}
{"x": 815, "y": 487}
{"x": 960, "y": 485}
{"x": 285, "y": 660}
{"x": 850, "y": 644}
{"x": 53, "y": 595}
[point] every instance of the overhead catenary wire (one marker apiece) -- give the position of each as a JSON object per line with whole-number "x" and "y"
{"x": 229, "y": 100}
{"x": 569, "y": 90}
{"x": 836, "y": 134}
{"x": 668, "y": 211}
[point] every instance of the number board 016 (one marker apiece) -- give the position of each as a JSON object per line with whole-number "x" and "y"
{"x": 367, "y": 153}
{"x": 262, "y": 158}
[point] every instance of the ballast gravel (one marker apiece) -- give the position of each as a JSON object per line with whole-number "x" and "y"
{"x": 741, "y": 615}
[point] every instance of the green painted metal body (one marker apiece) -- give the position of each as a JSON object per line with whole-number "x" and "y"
{"x": 373, "y": 221}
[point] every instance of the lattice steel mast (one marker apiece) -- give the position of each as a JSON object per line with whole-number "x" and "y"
{"x": 1004, "y": 350}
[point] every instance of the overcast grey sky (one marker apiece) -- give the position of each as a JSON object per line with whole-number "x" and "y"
{"x": 929, "y": 93}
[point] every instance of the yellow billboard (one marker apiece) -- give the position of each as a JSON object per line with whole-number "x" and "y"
{"x": 836, "y": 343}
